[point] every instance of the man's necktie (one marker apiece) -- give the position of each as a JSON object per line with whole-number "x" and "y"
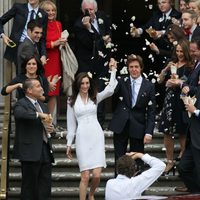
{"x": 187, "y": 32}
{"x": 37, "y": 106}
{"x": 133, "y": 93}
{"x": 164, "y": 21}
{"x": 32, "y": 15}
{"x": 164, "y": 18}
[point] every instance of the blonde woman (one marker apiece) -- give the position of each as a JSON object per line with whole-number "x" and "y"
{"x": 53, "y": 66}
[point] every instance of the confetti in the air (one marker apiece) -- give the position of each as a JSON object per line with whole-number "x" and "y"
{"x": 150, "y": 6}
{"x": 147, "y": 42}
{"x": 124, "y": 70}
{"x": 133, "y": 18}
{"x": 114, "y": 26}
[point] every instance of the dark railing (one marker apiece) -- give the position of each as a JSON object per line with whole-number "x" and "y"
{"x": 5, "y": 135}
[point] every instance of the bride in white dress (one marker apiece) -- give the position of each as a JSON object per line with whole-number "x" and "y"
{"x": 82, "y": 122}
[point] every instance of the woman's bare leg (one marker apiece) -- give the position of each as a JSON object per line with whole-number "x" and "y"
{"x": 96, "y": 175}
{"x": 85, "y": 176}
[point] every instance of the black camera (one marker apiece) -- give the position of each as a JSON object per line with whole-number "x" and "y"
{"x": 87, "y": 13}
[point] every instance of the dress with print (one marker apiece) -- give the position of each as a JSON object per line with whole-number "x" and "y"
{"x": 172, "y": 118}
{"x": 82, "y": 122}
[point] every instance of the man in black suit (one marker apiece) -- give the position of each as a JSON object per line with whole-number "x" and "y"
{"x": 32, "y": 143}
{"x": 89, "y": 31}
{"x": 161, "y": 19}
{"x": 21, "y": 15}
{"x": 159, "y": 22}
{"x": 29, "y": 47}
{"x": 194, "y": 79}
{"x": 134, "y": 116}
{"x": 92, "y": 36}
{"x": 192, "y": 30}
{"x": 189, "y": 166}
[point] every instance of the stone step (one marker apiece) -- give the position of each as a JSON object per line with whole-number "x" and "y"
{"x": 73, "y": 178}
{"x": 157, "y": 150}
{"x": 66, "y": 175}
{"x": 63, "y": 193}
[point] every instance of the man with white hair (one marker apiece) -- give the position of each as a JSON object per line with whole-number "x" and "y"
{"x": 92, "y": 35}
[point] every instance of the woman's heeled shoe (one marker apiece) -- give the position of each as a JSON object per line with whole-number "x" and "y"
{"x": 178, "y": 159}
{"x": 170, "y": 167}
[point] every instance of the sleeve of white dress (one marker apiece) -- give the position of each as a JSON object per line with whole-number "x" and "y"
{"x": 109, "y": 89}
{"x": 71, "y": 124}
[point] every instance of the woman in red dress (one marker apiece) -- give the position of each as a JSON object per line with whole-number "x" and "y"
{"x": 53, "y": 66}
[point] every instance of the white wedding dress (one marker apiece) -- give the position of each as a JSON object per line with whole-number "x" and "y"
{"x": 82, "y": 122}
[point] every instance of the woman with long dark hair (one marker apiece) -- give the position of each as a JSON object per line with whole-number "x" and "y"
{"x": 31, "y": 68}
{"x": 171, "y": 121}
{"x": 82, "y": 122}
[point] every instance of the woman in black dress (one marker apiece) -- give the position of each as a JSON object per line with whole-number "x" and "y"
{"x": 31, "y": 68}
{"x": 171, "y": 121}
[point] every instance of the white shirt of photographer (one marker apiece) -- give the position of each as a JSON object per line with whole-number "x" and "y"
{"x": 125, "y": 188}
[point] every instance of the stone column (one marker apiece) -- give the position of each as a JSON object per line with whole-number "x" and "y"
{"x": 4, "y": 6}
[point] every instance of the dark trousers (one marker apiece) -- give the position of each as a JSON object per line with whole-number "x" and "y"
{"x": 189, "y": 168}
{"x": 120, "y": 146}
{"x": 36, "y": 177}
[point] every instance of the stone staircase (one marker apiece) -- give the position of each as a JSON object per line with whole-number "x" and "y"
{"x": 66, "y": 176}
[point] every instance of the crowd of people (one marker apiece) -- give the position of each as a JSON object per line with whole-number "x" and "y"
{"x": 35, "y": 46}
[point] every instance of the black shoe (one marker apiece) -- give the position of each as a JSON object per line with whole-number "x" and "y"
{"x": 177, "y": 159}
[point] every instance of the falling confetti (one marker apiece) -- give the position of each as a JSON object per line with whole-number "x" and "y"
{"x": 133, "y": 18}
{"x": 147, "y": 42}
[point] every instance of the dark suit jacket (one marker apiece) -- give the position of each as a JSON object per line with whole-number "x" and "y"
{"x": 161, "y": 42}
{"x": 19, "y": 14}
{"x": 193, "y": 79}
{"x": 155, "y": 23}
{"x": 29, "y": 131}
{"x": 26, "y": 49}
{"x": 88, "y": 44}
{"x": 196, "y": 33}
{"x": 194, "y": 124}
{"x": 141, "y": 117}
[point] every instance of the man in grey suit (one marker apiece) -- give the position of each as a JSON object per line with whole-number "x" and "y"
{"x": 21, "y": 15}
{"x": 32, "y": 144}
{"x": 29, "y": 47}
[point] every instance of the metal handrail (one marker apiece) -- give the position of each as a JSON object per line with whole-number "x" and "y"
{"x": 5, "y": 136}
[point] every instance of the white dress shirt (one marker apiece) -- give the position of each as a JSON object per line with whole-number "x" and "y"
{"x": 192, "y": 30}
{"x": 24, "y": 33}
{"x": 124, "y": 188}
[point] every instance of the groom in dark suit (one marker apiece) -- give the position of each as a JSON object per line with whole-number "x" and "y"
{"x": 32, "y": 144}
{"x": 134, "y": 117}
{"x": 189, "y": 166}
{"x": 21, "y": 15}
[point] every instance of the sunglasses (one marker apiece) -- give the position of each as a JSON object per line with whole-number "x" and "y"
{"x": 11, "y": 44}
